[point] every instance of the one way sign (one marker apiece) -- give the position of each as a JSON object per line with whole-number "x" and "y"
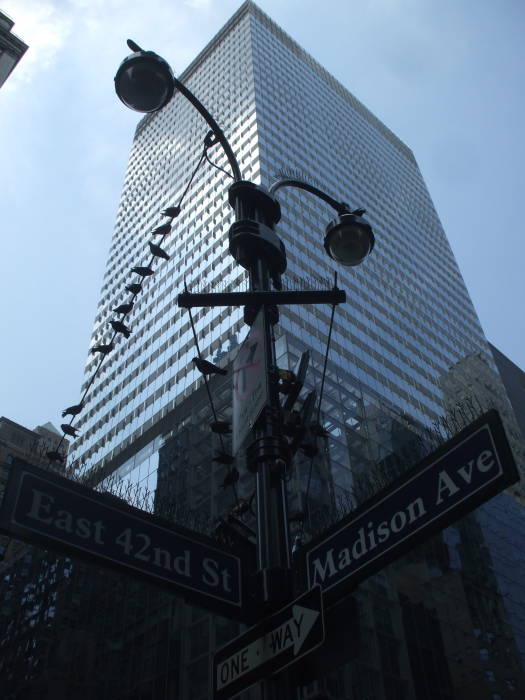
{"x": 270, "y": 646}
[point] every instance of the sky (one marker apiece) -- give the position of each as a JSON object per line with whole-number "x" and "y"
{"x": 446, "y": 76}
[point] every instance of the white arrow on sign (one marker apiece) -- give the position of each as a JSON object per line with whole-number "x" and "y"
{"x": 292, "y": 632}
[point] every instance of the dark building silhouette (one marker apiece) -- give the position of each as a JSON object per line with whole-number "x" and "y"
{"x": 11, "y": 48}
{"x": 514, "y": 381}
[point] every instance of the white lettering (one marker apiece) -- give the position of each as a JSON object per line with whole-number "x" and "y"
{"x": 298, "y": 624}
{"x": 445, "y": 483}
{"x": 371, "y": 536}
{"x": 401, "y": 521}
{"x": 383, "y": 531}
{"x": 38, "y": 505}
{"x": 412, "y": 509}
{"x": 64, "y": 521}
{"x": 99, "y": 528}
{"x": 83, "y": 528}
{"x": 466, "y": 475}
{"x": 344, "y": 558}
{"x": 211, "y": 572}
{"x": 226, "y": 576}
{"x": 146, "y": 542}
{"x": 482, "y": 464}
{"x": 328, "y": 568}
{"x": 161, "y": 554}
{"x": 181, "y": 564}
{"x": 359, "y": 547}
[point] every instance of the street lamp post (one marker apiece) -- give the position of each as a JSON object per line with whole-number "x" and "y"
{"x": 144, "y": 82}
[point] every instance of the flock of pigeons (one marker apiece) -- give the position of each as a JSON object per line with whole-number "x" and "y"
{"x": 120, "y": 327}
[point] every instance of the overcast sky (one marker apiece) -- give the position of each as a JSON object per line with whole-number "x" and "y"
{"x": 447, "y": 76}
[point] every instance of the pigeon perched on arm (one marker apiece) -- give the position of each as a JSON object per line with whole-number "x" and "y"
{"x": 157, "y": 251}
{"x": 172, "y": 212}
{"x": 72, "y": 410}
{"x": 134, "y": 288}
{"x": 120, "y": 327}
{"x": 161, "y": 230}
{"x": 206, "y": 367}
{"x": 124, "y": 308}
{"x": 143, "y": 271}
{"x": 104, "y": 348}
{"x": 69, "y": 430}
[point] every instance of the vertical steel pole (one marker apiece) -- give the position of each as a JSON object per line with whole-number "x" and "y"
{"x": 273, "y": 540}
{"x": 255, "y": 245}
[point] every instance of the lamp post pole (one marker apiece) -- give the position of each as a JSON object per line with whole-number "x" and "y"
{"x": 144, "y": 82}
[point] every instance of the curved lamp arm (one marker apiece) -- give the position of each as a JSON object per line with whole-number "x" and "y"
{"x": 340, "y": 207}
{"x": 155, "y": 70}
{"x": 349, "y": 238}
{"x": 215, "y": 128}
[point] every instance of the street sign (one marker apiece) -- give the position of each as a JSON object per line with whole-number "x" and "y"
{"x": 250, "y": 387}
{"x": 270, "y": 646}
{"x": 43, "y": 508}
{"x": 466, "y": 471}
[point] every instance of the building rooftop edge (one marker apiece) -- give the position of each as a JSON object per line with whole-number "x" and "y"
{"x": 9, "y": 35}
{"x": 250, "y": 6}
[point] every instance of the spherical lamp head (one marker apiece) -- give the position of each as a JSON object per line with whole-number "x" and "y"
{"x": 144, "y": 82}
{"x": 349, "y": 239}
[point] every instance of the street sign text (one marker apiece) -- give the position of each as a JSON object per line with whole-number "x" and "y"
{"x": 270, "y": 646}
{"x": 467, "y": 470}
{"x": 43, "y": 508}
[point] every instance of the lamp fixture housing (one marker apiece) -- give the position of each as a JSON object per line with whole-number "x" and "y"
{"x": 144, "y": 82}
{"x": 349, "y": 239}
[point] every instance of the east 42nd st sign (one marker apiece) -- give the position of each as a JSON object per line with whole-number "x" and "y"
{"x": 44, "y": 508}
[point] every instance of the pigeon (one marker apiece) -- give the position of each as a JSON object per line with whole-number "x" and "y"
{"x": 161, "y": 230}
{"x": 72, "y": 410}
{"x": 143, "y": 271}
{"x": 231, "y": 478}
{"x": 158, "y": 252}
{"x": 124, "y": 308}
{"x": 206, "y": 367}
{"x": 133, "y": 46}
{"x": 69, "y": 430}
{"x": 104, "y": 348}
{"x": 134, "y": 288}
{"x": 172, "y": 212}
{"x": 119, "y": 327}
{"x": 55, "y": 456}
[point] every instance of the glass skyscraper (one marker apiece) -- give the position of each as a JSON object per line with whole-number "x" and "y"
{"x": 408, "y": 321}
{"x": 408, "y": 317}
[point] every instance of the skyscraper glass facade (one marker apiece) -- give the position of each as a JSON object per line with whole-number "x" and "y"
{"x": 436, "y": 623}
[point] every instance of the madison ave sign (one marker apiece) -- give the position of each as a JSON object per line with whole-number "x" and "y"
{"x": 269, "y": 647}
{"x": 42, "y": 508}
{"x": 473, "y": 466}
